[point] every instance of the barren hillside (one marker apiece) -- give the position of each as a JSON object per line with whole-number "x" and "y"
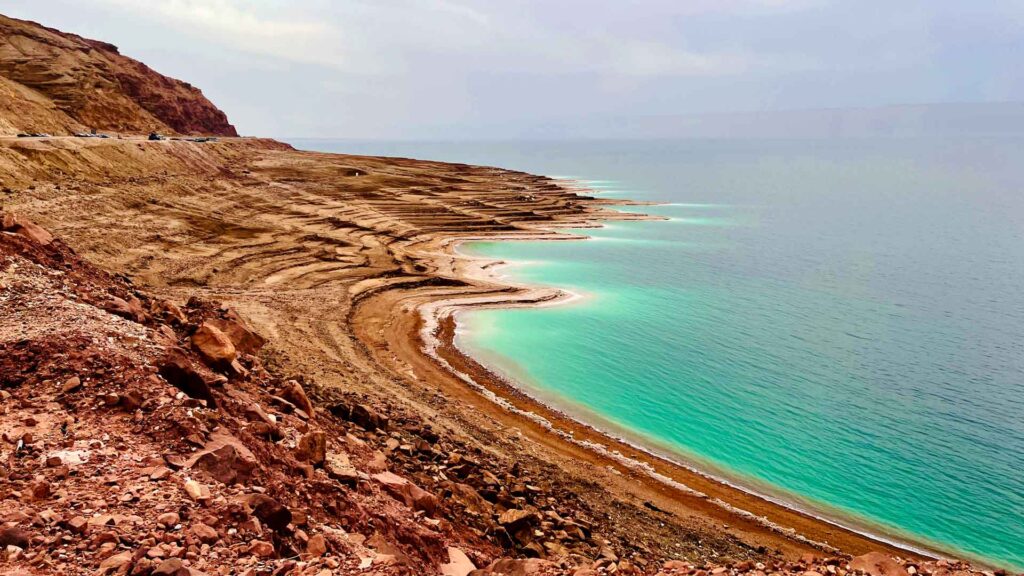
{"x": 55, "y": 82}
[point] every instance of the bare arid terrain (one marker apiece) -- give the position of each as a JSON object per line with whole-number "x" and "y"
{"x": 234, "y": 357}
{"x": 55, "y": 82}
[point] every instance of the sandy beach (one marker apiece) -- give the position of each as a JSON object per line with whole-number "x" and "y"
{"x": 427, "y": 332}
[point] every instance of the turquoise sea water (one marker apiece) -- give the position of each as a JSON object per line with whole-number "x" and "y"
{"x": 840, "y": 322}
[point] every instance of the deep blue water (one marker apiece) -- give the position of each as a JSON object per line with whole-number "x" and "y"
{"x": 841, "y": 321}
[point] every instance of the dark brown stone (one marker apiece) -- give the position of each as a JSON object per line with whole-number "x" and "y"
{"x": 178, "y": 370}
{"x": 15, "y": 537}
{"x": 226, "y": 460}
{"x": 271, "y": 512}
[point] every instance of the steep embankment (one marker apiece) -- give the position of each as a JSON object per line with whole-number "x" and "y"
{"x": 52, "y": 81}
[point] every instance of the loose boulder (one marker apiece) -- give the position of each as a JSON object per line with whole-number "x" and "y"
{"x": 312, "y": 448}
{"x": 130, "y": 309}
{"x": 515, "y": 567}
{"x": 214, "y": 346}
{"x": 878, "y": 564}
{"x": 361, "y": 415}
{"x": 316, "y": 546}
{"x": 225, "y": 459}
{"x": 17, "y": 224}
{"x": 14, "y": 537}
{"x": 404, "y": 490}
{"x": 515, "y": 520}
{"x": 294, "y": 393}
{"x": 176, "y": 368}
{"x": 338, "y": 467}
{"x": 472, "y": 500}
{"x": 271, "y": 512}
{"x": 458, "y": 563}
{"x": 244, "y": 339}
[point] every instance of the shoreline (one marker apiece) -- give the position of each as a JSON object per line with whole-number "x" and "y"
{"x": 652, "y": 448}
{"x": 340, "y": 279}
{"x": 437, "y": 337}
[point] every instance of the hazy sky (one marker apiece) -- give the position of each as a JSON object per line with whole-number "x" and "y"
{"x": 514, "y": 68}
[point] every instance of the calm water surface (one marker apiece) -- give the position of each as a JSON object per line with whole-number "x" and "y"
{"x": 842, "y": 321}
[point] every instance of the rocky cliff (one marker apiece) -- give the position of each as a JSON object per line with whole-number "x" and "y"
{"x": 52, "y": 81}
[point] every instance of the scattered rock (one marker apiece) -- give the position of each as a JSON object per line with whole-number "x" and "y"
{"x": 361, "y": 415}
{"x": 15, "y": 537}
{"x": 261, "y": 549}
{"x": 878, "y": 564}
{"x": 17, "y": 224}
{"x": 170, "y": 567}
{"x": 404, "y": 490}
{"x": 116, "y": 564}
{"x": 171, "y": 312}
{"x": 294, "y": 393}
{"x": 316, "y": 546}
{"x": 312, "y": 448}
{"x": 473, "y": 502}
{"x": 204, "y": 533}
{"x": 214, "y": 346}
{"x": 130, "y": 309}
{"x": 515, "y": 520}
{"x": 71, "y": 384}
{"x": 269, "y": 511}
{"x": 515, "y": 567}
{"x": 178, "y": 370}
{"x": 196, "y": 491}
{"x": 168, "y": 520}
{"x": 225, "y": 459}
{"x": 458, "y": 563}
{"x": 244, "y": 339}
{"x": 338, "y": 467}
{"x": 78, "y": 525}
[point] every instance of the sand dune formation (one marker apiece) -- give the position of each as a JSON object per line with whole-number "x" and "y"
{"x": 233, "y": 357}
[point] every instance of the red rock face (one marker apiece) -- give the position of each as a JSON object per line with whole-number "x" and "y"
{"x": 92, "y": 83}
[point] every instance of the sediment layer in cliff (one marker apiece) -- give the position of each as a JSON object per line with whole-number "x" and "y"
{"x": 56, "y": 82}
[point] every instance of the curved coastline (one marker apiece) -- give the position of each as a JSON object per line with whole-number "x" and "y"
{"x": 435, "y": 338}
{"x": 654, "y": 449}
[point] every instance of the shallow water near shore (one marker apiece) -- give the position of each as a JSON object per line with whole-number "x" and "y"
{"x": 840, "y": 320}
